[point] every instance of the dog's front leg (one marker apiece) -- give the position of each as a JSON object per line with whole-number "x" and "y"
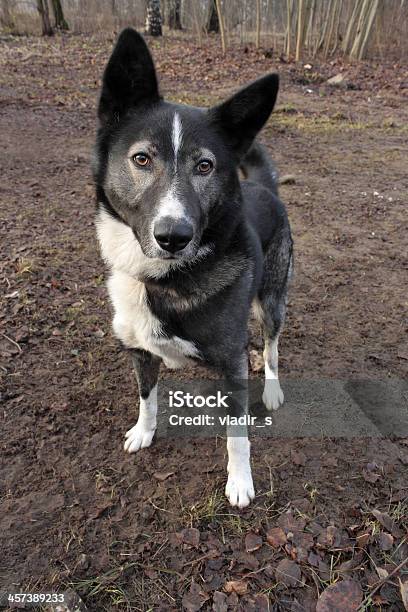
{"x": 147, "y": 372}
{"x": 239, "y": 488}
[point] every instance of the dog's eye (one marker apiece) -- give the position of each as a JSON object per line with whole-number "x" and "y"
{"x": 205, "y": 166}
{"x": 142, "y": 159}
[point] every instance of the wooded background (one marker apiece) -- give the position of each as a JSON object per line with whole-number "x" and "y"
{"x": 299, "y": 29}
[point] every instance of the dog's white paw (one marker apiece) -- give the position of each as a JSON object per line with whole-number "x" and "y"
{"x": 273, "y": 395}
{"x": 240, "y": 490}
{"x": 138, "y": 437}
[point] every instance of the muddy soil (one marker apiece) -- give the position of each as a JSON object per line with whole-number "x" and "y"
{"x": 153, "y": 531}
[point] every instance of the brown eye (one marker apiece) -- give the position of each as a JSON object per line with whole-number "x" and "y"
{"x": 141, "y": 159}
{"x": 205, "y": 166}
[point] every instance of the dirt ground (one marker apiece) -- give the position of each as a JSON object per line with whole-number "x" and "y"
{"x": 153, "y": 531}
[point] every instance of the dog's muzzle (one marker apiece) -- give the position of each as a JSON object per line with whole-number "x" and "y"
{"x": 173, "y": 235}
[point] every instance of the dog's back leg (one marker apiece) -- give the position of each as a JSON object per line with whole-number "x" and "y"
{"x": 147, "y": 372}
{"x": 271, "y": 310}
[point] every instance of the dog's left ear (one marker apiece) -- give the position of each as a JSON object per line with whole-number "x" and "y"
{"x": 129, "y": 79}
{"x": 241, "y": 117}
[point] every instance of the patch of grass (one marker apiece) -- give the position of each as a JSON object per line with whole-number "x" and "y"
{"x": 106, "y": 482}
{"x": 25, "y": 266}
{"x": 286, "y": 109}
{"x": 72, "y": 536}
{"x": 99, "y": 280}
{"x": 207, "y": 510}
{"x": 311, "y": 491}
{"x": 194, "y": 99}
{"x": 107, "y": 587}
{"x": 316, "y": 124}
{"x": 214, "y": 510}
{"x": 399, "y": 512}
{"x": 73, "y": 311}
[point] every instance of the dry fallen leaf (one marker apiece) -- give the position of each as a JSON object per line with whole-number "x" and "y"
{"x": 252, "y": 542}
{"x": 194, "y": 599}
{"x": 386, "y": 521}
{"x": 382, "y": 572}
{"x": 276, "y": 537}
{"x": 162, "y": 475}
{"x": 298, "y": 457}
{"x": 343, "y": 596}
{"x": 219, "y": 602}
{"x": 290, "y": 523}
{"x": 256, "y": 361}
{"x": 404, "y": 592}
{"x": 385, "y": 541}
{"x": 288, "y": 572}
{"x": 371, "y": 477}
{"x": 239, "y": 587}
{"x": 190, "y": 536}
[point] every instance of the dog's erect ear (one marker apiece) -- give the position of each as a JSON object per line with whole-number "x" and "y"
{"x": 241, "y": 117}
{"x": 129, "y": 79}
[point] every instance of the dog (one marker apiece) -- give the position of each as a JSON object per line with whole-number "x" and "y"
{"x": 190, "y": 245}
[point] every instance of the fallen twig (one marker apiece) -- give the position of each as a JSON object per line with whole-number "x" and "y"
{"x": 381, "y": 583}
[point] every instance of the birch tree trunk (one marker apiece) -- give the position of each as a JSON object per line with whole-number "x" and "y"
{"x": 351, "y": 25}
{"x": 222, "y": 26}
{"x": 332, "y": 20}
{"x": 311, "y": 24}
{"x": 258, "y": 23}
{"x": 154, "y": 18}
{"x": 360, "y": 27}
{"x": 197, "y": 24}
{"x": 326, "y": 19}
{"x": 289, "y": 13}
{"x": 362, "y": 40}
{"x": 300, "y": 29}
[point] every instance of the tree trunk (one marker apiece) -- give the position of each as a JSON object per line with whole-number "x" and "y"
{"x": 154, "y": 18}
{"x": 289, "y": 13}
{"x": 60, "y": 21}
{"x": 300, "y": 30}
{"x": 42, "y": 7}
{"x": 197, "y": 24}
{"x": 222, "y": 27}
{"x": 213, "y": 24}
{"x": 360, "y": 46}
{"x": 175, "y": 15}
{"x": 351, "y": 26}
{"x": 6, "y": 18}
{"x": 325, "y": 25}
{"x": 258, "y": 23}
{"x": 332, "y": 19}
{"x": 336, "y": 34}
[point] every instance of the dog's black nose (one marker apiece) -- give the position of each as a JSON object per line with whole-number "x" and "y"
{"x": 172, "y": 234}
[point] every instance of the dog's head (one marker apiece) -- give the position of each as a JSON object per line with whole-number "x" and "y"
{"x": 164, "y": 168}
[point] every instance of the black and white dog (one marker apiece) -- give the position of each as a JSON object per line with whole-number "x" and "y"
{"x": 190, "y": 247}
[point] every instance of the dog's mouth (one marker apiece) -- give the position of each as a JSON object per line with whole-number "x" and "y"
{"x": 192, "y": 252}
{"x": 186, "y": 254}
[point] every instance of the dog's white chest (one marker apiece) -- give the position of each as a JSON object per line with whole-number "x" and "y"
{"x": 136, "y": 326}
